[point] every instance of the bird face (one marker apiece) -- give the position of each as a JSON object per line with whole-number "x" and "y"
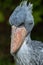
{"x": 22, "y": 14}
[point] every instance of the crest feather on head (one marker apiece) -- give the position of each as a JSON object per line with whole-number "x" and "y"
{"x": 30, "y": 6}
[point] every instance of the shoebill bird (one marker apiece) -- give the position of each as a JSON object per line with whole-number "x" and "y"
{"x": 24, "y": 50}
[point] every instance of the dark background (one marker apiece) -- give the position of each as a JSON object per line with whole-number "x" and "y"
{"x": 6, "y": 8}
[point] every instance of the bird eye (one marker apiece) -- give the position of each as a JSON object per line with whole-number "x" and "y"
{"x": 30, "y": 23}
{"x": 21, "y": 24}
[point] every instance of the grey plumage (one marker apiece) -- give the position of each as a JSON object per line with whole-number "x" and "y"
{"x": 31, "y": 52}
{"x": 23, "y": 14}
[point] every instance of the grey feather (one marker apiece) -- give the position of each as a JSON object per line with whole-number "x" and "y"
{"x": 23, "y": 15}
{"x": 30, "y": 53}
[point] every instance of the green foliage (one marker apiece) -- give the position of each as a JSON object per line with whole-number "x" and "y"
{"x": 5, "y": 62}
{"x": 37, "y": 10}
{"x": 37, "y": 17}
{"x": 2, "y": 17}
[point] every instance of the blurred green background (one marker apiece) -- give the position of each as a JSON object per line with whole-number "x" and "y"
{"x": 6, "y": 8}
